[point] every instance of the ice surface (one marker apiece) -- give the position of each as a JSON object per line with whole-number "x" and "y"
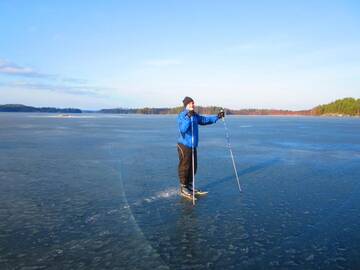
{"x": 101, "y": 191}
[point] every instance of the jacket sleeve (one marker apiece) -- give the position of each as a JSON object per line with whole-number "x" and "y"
{"x": 184, "y": 123}
{"x": 207, "y": 120}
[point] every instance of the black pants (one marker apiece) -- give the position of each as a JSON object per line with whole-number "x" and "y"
{"x": 185, "y": 164}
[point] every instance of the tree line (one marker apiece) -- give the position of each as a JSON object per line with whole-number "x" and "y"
{"x": 345, "y": 106}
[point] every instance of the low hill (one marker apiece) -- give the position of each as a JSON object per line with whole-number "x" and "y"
{"x": 23, "y": 108}
{"x": 341, "y": 107}
{"x": 346, "y": 106}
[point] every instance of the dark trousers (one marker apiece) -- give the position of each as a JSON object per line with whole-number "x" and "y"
{"x": 185, "y": 164}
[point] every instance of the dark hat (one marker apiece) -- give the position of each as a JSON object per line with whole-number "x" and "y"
{"x": 187, "y": 100}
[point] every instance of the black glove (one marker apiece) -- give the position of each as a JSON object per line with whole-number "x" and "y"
{"x": 221, "y": 114}
{"x": 191, "y": 113}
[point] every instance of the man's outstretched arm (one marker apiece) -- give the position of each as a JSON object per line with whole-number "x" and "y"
{"x": 207, "y": 120}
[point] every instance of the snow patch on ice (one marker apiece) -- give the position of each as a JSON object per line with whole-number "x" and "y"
{"x": 168, "y": 193}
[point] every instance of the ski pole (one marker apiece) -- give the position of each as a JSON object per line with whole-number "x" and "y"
{"x": 231, "y": 153}
{"x": 193, "y": 162}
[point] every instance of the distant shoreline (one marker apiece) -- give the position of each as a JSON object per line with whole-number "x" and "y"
{"x": 70, "y": 115}
{"x": 346, "y": 107}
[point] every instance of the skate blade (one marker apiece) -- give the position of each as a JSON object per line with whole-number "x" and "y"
{"x": 201, "y": 193}
{"x": 187, "y": 196}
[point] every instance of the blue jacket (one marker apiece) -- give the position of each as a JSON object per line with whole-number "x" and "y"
{"x": 184, "y": 122}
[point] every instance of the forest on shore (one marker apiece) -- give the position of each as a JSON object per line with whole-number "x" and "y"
{"x": 341, "y": 107}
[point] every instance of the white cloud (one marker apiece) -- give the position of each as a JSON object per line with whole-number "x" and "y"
{"x": 9, "y": 68}
{"x": 65, "y": 88}
{"x": 34, "y": 80}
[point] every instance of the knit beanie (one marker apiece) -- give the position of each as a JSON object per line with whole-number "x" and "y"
{"x": 187, "y": 100}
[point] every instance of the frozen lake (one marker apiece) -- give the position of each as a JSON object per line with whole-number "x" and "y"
{"x": 100, "y": 191}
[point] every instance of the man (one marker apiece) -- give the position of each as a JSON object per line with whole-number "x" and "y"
{"x": 186, "y": 119}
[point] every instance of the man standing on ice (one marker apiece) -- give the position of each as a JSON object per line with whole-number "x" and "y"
{"x": 186, "y": 119}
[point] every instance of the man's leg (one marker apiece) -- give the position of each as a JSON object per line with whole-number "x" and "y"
{"x": 184, "y": 164}
{"x": 190, "y": 178}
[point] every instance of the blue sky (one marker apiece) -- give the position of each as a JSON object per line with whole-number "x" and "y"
{"x": 236, "y": 54}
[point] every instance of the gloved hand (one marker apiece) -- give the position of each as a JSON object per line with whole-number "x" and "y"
{"x": 191, "y": 113}
{"x": 221, "y": 114}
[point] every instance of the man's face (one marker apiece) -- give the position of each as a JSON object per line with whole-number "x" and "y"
{"x": 190, "y": 106}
